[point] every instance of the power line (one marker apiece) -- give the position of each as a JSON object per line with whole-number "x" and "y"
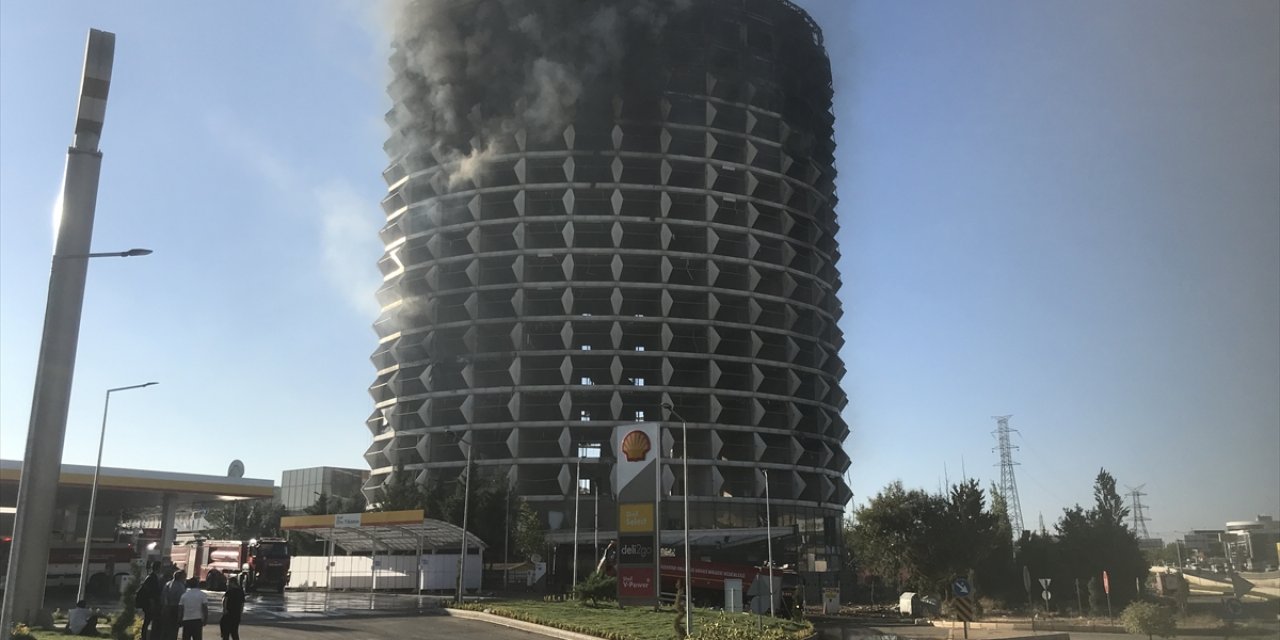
{"x": 1008, "y": 483}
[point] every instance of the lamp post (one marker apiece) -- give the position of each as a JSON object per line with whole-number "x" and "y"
{"x": 93, "y": 493}
{"x": 46, "y": 430}
{"x": 577, "y": 498}
{"x": 768, "y": 532}
{"x": 466, "y": 508}
{"x": 108, "y": 254}
{"x": 688, "y": 586}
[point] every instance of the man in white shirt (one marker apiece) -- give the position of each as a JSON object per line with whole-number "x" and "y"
{"x": 195, "y": 611}
{"x": 81, "y": 621}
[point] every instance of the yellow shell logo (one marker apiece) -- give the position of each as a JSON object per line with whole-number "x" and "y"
{"x": 635, "y": 446}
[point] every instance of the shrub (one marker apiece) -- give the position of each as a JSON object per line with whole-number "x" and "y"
{"x": 1149, "y": 619}
{"x": 723, "y": 628}
{"x": 596, "y": 587}
{"x": 21, "y": 632}
{"x": 124, "y": 627}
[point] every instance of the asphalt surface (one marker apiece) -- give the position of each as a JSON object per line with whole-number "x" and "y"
{"x": 379, "y": 628}
{"x": 311, "y": 604}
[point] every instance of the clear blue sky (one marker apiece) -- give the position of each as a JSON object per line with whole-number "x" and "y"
{"x": 1064, "y": 211}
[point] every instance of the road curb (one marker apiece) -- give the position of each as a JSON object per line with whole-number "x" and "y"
{"x": 550, "y": 632}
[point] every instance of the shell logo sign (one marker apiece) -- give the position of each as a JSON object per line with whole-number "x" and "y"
{"x": 636, "y": 446}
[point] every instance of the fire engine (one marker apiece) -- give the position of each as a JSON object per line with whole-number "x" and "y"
{"x": 109, "y": 562}
{"x": 264, "y": 563}
{"x": 707, "y": 579}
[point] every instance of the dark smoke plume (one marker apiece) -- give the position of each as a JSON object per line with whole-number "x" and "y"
{"x": 471, "y": 73}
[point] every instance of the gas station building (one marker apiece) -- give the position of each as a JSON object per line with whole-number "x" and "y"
{"x": 123, "y": 492}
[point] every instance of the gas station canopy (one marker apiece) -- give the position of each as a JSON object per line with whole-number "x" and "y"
{"x": 382, "y": 531}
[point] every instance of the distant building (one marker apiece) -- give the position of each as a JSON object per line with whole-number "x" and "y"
{"x": 1253, "y": 542}
{"x": 299, "y": 488}
{"x": 1202, "y": 544}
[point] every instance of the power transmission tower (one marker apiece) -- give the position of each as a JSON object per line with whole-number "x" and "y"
{"x": 1008, "y": 484}
{"x": 1139, "y": 517}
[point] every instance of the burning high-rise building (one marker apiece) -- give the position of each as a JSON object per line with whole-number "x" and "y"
{"x": 596, "y": 208}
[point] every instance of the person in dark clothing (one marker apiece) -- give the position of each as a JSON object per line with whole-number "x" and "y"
{"x": 148, "y": 601}
{"x": 170, "y": 609}
{"x": 232, "y": 609}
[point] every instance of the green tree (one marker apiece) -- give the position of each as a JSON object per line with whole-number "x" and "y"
{"x": 1149, "y": 619}
{"x": 927, "y": 540}
{"x": 1088, "y": 542}
{"x": 529, "y": 536}
{"x": 401, "y": 492}
{"x": 245, "y": 519}
{"x": 997, "y": 575}
{"x": 126, "y": 624}
{"x": 326, "y": 504}
{"x": 891, "y": 536}
{"x": 1109, "y": 509}
{"x": 1097, "y": 597}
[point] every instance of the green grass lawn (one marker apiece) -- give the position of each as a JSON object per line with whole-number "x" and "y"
{"x": 638, "y": 623}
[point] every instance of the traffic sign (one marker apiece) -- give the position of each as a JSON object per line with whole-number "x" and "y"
{"x": 1026, "y": 578}
{"x": 1234, "y": 608}
{"x": 1106, "y": 583}
{"x": 1240, "y": 586}
{"x": 963, "y": 608}
{"x": 960, "y": 587}
{"x": 1044, "y": 583}
{"x": 1046, "y": 595}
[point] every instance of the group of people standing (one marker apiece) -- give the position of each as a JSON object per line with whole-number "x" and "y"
{"x": 180, "y": 604}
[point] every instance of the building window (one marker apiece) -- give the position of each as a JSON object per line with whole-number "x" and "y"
{"x": 586, "y": 380}
{"x": 584, "y": 486}
{"x": 639, "y": 415}
{"x": 586, "y": 347}
{"x": 639, "y": 347}
{"x": 639, "y": 382}
{"x": 589, "y": 450}
{"x": 584, "y": 415}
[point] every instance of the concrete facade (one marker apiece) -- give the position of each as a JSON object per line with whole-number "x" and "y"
{"x": 674, "y": 242}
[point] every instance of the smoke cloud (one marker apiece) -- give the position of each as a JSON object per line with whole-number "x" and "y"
{"x": 472, "y": 73}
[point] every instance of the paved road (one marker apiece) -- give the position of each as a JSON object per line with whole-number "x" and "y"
{"x": 845, "y": 629}
{"x": 382, "y": 628}
{"x": 306, "y": 604}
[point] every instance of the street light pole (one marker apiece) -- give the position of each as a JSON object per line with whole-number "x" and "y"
{"x": 93, "y": 493}
{"x": 577, "y": 498}
{"x": 688, "y": 586}
{"x": 768, "y": 529}
{"x": 55, "y": 367}
{"x": 466, "y": 509}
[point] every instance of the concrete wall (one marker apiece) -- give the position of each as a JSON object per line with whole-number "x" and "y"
{"x": 439, "y": 572}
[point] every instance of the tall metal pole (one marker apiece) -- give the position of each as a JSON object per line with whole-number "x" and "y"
{"x": 93, "y": 493}
{"x": 768, "y": 529}
{"x": 506, "y": 540}
{"x": 688, "y": 585}
{"x": 466, "y": 508}
{"x": 46, "y": 431}
{"x": 577, "y": 496}
{"x": 595, "y": 529}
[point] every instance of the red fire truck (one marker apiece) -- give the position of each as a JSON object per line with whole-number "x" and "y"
{"x": 264, "y": 563}
{"x": 109, "y": 562}
{"x": 708, "y": 579}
